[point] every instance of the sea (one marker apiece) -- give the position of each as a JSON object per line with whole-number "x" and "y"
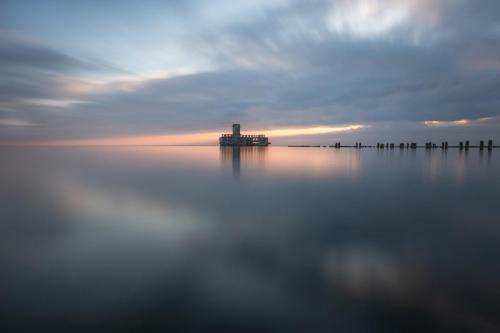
{"x": 251, "y": 239}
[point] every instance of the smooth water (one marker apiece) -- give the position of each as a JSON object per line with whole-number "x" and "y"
{"x": 211, "y": 239}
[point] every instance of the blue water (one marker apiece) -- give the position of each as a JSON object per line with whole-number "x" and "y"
{"x": 209, "y": 239}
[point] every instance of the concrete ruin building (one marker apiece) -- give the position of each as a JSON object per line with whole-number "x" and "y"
{"x": 236, "y": 139}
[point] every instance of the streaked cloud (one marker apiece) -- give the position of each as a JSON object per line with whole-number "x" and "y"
{"x": 51, "y": 103}
{"x": 31, "y": 53}
{"x": 15, "y": 122}
{"x": 460, "y": 122}
{"x": 367, "y": 17}
{"x": 312, "y": 130}
{"x": 115, "y": 83}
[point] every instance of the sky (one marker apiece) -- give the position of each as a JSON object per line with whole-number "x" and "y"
{"x": 303, "y": 72}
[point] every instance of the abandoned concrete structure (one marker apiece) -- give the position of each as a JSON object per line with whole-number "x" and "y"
{"x": 236, "y": 139}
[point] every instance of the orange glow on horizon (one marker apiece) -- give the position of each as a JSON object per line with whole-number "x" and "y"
{"x": 311, "y": 130}
{"x": 192, "y": 138}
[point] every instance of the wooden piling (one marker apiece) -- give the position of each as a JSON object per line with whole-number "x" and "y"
{"x": 413, "y": 145}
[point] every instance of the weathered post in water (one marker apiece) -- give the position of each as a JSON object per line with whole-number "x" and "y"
{"x": 490, "y": 144}
{"x": 466, "y": 145}
{"x": 461, "y": 145}
{"x": 401, "y": 146}
{"x": 481, "y": 145}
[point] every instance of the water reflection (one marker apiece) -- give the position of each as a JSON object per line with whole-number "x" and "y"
{"x": 287, "y": 162}
{"x": 165, "y": 239}
{"x": 251, "y": 156}
{"x": 236, "y": 161}
{"x": 461, "y": 165}
{"x": 482, "y": 156}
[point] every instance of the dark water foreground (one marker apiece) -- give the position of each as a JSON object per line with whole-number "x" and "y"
{"x": 203, "y": 239}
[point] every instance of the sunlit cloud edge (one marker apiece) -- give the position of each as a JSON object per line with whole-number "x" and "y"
{"x": 458, "y": 122}
{"x": 193, "y": 138}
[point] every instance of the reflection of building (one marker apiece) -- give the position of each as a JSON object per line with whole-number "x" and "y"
{"x": 236, "y": 139}
{"x": 234, "y": 156}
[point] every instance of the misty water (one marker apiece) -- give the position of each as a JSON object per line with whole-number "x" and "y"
{"x": 211, "y": 239}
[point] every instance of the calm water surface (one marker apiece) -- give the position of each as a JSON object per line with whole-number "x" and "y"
{"x": 204, "y": 239}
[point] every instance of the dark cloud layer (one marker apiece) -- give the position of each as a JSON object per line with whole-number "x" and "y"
{"x": 39, "y": 57}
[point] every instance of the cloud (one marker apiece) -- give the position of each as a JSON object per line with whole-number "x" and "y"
{"x": 15, "y": 122}
{"x": 51, "y": 103}
{"x": 374, "y": 18}
{"x": 483, "y": 57}
{"x": 462, "y": 122}
{"x": 17, "y": 52}
{"x": 288, "y": 64}
{"x": 123, "y": 83}
{"x": 312, "y": 130}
